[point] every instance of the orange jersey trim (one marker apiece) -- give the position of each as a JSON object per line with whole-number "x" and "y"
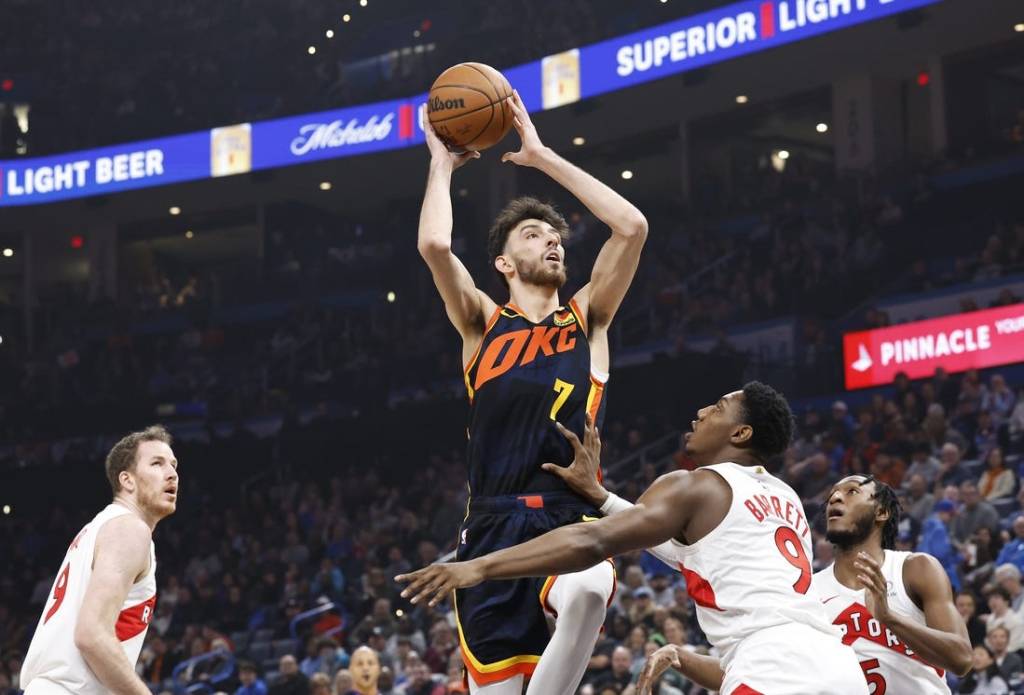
{"x": 476, "y": 355}
{"x": 550, "y": 582}
{"x": 579, "y": 315}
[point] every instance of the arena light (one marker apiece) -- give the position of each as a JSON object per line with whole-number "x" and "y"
{"x": 416, "y": 34}
{"x": 8, "y": 252}
{"x": 578, "y": 140}
{"x": 311, "y": 50}
{"x": 77, "y": 241}
{"x": 783, "y": 155}
{"x": 391, "y": 297}
{"x": 822, "y": 127}
{"x": 627, "y": 174}
{"x": 189, "y": 234}
{"x": 329, "y": 33}
{"x": 7, "y": 510}
{"x": 923, "y": 78}
{"x": 7, "y": 84}
{"x": 346, "y": 17}
{"x": 174, "y": 210}
{"x": 362, "y": 3}
{"x": 1019, "y": 28}
{"x": 742, "y": 99}
{"x": 325, "y": 185}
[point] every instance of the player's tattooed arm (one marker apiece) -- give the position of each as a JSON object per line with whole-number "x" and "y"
{"x": 943, "y": 640}
{"x": 467, "y": 306}
{"x": 661, "y": 513}
{"x": 705, "y": 671}
{"x": 121, "y": 556}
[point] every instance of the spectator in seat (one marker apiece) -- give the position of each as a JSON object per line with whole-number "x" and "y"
{"x": 935, "y": 540}
{"x": 291, "y": 680}
{"x": 998, "y": 399}
{"x": 950, "y": 471}
{"x": 1013, "y": 551}
{"x": 1009, "y": 663}
{"x": 421, "y": 683}
{"x": 620, "y": 676}
{"x": 974, "y": 513}
{"x": 320, "y": 684}
{"x": 920, "y": 501}
{"x": 249, "y": 680}
{"x": 967, "y": 607}
{"x": 365, "y": 668}
{"x": 1002, "y": 615}
{"x": 997, "y": 480}
{"x": 343, "y": 683}
{"x": 1008, "y": 577}
{"x": 924, "y": 464}
{"x": 984, "y": 678}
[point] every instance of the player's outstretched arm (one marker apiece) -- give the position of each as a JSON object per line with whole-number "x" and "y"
{"x": 122, "y": 554}
{"x": 582, "y": 477}
{"x": 705, "y": 671}
{"x": 466, "y": 305}
{"x": 661, "y": 513}
{"x": 943, "y": 640}
{"x": 617, "y": 262}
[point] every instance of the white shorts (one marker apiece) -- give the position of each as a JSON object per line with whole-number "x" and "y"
{"x": 793, "y": 660}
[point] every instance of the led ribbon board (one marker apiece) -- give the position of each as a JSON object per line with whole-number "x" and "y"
{"x": 729, "y": 32}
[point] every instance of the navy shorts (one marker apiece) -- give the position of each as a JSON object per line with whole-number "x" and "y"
{"x": 502, "y": 626}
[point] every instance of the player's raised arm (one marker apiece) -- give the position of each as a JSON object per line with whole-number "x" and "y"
{"x": 121, "y": 556}
{"x": 661, "y": 513}
{"x": 617, "y": 262}
{"x": 943, "y": 640}
{"x": 467, "y": 306}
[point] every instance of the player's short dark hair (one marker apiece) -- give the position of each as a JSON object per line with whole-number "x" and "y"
{"x": 124, "y": 455}
{"x": 887, "y": 499}
{"x": 517, "y": 210}
{"x": 768, "y": 414}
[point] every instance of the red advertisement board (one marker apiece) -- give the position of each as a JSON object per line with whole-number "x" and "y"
{"x": 957, "y": 343}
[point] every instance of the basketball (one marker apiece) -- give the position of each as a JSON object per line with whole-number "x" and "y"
{"x": 468, "y": 106}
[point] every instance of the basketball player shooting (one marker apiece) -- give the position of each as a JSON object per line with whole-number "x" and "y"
{"x": 530, "y": 363}
{"x": 95, "y": 621}
{"x": 738, "y": 535}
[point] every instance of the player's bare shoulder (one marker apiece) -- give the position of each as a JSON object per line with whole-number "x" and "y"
{"x": 126, "y": 539}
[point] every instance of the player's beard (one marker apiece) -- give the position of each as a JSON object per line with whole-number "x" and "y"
{"x": 539, "y": 273}
{"x": 848, "y": 538}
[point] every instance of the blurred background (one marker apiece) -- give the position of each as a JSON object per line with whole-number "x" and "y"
{"x": 824, "y": 197}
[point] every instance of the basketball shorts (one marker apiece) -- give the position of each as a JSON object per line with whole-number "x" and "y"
{"x": 502, "y": 625}
{"x": 793, "y": 660}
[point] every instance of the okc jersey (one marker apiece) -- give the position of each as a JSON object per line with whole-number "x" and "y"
{"x": 753, "y": 571}
{"x": 888, "y": 663}
{"x": 53, "y": 663}
{"x": 523, "y": 377}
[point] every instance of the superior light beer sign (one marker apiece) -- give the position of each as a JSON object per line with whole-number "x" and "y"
{"x": 956, "y": 343}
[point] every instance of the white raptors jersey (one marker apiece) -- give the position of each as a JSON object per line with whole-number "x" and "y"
{"x": 52, "y": 656}
{"x": 887, "y": 662}
{"x": 753, "y": 571}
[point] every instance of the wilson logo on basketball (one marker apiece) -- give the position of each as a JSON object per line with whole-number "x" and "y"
{"x": 439, "y": 104}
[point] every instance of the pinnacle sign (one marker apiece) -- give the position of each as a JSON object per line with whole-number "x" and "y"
{"x": 974, "y": 340}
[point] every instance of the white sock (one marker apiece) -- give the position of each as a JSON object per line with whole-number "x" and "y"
{"x": 579, "y": 600}
{"x": 510, "y": 686}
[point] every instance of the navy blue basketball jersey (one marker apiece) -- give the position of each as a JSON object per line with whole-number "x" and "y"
{"x": 523, "y": 377}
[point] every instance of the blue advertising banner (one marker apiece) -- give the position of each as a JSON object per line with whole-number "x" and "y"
{"x": 723, "y": 34}
{"x": 742, "y": 28}
{"x": 106, "y": 170}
